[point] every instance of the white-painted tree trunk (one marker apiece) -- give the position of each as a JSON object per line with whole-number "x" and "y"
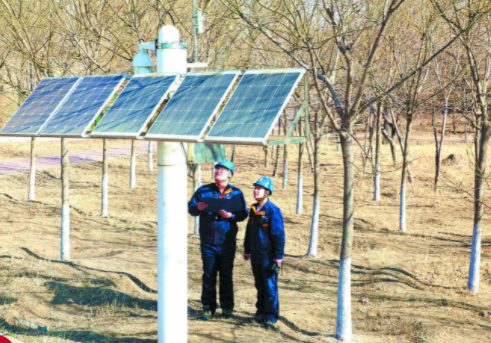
{"x": 32, "y": 175}
{"x": 314, "y": 230}
{"x": 300, "y": 193}
{"x": 133, "y": 165}
{"x": 105, "y": 181}
{"x": 196, "y": 185}
{"x": 150, "y": 156}
{"x": 402, "y": 217}
{"x": 473, "y": 282}
{"x": 65, "y": 201}
{"x": 376, "y": 191}
{"x": 344, "y": 330}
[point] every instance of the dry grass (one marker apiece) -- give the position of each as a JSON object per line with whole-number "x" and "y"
{"x": 416, "y": 282}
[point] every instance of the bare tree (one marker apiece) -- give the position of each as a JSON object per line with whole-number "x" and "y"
{"x": 459, "y": 15}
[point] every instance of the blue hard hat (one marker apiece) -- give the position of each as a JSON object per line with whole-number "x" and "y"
{"x": 265, "y": 182}
{"x": 227, "y": 164}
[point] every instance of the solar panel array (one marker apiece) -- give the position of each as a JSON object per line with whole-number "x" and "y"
{"x": 67, "y": 107}
{"x": 191, "y": 108}
{"x": 29, "y": 119}
{"x": 82, "y": 107}
{"x": 135, "y": 106}
{"x": 255, "y": 106}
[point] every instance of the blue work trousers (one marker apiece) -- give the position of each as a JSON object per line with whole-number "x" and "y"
{"x": 266, "y": 282}
{"x": 219, "y": 259}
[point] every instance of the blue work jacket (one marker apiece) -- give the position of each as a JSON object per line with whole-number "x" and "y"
{"x": 265, "y": 233}
{"x": 213, "y": 228}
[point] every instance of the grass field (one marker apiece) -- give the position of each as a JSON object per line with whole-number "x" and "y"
{"x": 415, "y": 282}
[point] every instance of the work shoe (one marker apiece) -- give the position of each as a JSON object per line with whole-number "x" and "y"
{"x": 271, "y": 326}
{"x": 206, "y": 313}
{"x": 227, "y": 313}
{"x": 257, "y": 319}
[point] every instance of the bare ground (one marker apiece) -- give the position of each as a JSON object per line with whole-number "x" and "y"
{"x": 415, "y": 282}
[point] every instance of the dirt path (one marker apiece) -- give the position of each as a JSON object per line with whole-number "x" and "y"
{"x": 23, "y": 164}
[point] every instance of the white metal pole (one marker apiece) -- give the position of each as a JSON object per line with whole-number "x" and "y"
{"x": 105, "y": 180}
{"x": 65, "y": 201}
{"x": 196, "y": 185}
{"x": 172, "y": 243}
{"x": 32, "y": 176}
{"x": 172, "y": 211}
{"x": 133, "y": 165}
{"x": 150, "y": 156}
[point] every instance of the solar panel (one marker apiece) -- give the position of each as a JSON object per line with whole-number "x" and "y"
{"x": 190, "y": 110}
{"x": 82, "y": 107}
{"x": 255, "y": 106}
{"x": 29, "y": 119}
{"x": 136, "y": 105}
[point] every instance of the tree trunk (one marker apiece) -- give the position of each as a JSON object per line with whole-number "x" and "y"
{"x": 65, "y": 201}
{"x": 300, "y": 175}
{"x": 105, "y": 180}
{"x": 399, "y": 138}
{"x": 309, "y": 152}
{"x": 376, "y": 191}
{"x": 196, "y": 185}
{"x": 364, "y": 155}
{"x": 405, "y": 166}
{"x": 314, "y": 229}
{"x": 133, "y": 165}
{"x": 344, "y": 329}
{"x": 439, "y": 148}
{"x": 150, "y": 156}
{"x": 480, "y": 181}
{"x": 32, "y": 176}
{"x": 285, "y": 162}
{"x": 234, "y": 147}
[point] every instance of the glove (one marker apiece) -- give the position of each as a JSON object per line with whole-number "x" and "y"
{"x": 246, "y": 257}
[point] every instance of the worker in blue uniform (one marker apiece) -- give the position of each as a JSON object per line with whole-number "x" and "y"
{"x": 218, "y": 233}
{"x": 264, "y": 245}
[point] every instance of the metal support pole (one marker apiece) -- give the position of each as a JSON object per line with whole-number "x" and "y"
{"x": 32, "y": 176}
{"x": 172, "y": 243}
{"x": 105, "y": 181}
{"x": 196, "y": 185}
{"x": 172, "y": 213}
{"x": 150, "y": 156}
{"x": 133, "y": 165}
{"x": 65, "y": 201}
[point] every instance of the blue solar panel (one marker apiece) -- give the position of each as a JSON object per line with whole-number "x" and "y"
{"x": 188, "y": 113}
{"x": 82, "y": 107}
{"x": 39, "y": 106}
{"x": 136, "y": 105}
{"x": 255, "y": 106}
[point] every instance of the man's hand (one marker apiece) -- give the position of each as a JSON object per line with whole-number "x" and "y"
{"x": 278, "y": 262}
{"x": 225, "y": 214}
{"x": 202, "y": 206}
{"x": 246, "y": 257}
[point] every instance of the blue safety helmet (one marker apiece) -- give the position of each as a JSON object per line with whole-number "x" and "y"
{"x": 266, "y": 183}
{"x": 226, "y": 164}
